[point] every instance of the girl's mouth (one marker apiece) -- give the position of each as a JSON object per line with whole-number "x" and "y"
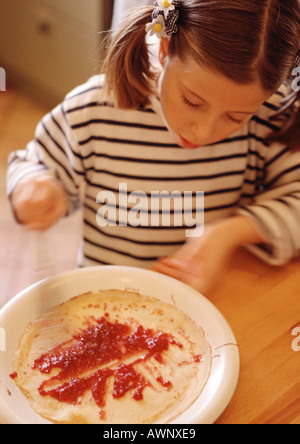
{"x": 187, "y": 144}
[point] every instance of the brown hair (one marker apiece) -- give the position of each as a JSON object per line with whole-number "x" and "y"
{"x": 130, "y": 78}
{"x": 244, "y": 40}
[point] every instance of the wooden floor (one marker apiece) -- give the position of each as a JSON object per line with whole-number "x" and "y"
{"x": 26, "y": 257}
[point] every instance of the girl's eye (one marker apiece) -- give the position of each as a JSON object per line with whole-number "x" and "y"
{"x": 194, "y": 105}
{"x": 236, "y": 121}
{"x": 190, "y": 104}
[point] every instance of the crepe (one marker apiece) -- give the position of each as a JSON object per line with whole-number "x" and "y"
{"x": 112, "y": 357}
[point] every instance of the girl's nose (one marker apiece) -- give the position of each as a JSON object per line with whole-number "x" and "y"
{"x": 203, "y": 130}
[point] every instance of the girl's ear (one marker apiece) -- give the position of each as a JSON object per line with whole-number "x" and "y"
{"x": 163, "y": 51}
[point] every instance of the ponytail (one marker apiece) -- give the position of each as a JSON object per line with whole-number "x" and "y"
{"x": 129, "y": 76}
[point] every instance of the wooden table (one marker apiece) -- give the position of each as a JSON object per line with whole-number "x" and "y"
{"x": 262, "y": 306}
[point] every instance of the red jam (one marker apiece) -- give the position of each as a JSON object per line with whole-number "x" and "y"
{"x": 165, "y": 383}
{"x": 91, "y": 357}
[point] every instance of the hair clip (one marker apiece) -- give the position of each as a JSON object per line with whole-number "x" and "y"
{"x": 157, "y": 26}
{"x": 164, "y": 18}
{"x": 165, "y": 6}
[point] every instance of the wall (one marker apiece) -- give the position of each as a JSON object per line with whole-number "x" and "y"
{"x": 50, "y": 46}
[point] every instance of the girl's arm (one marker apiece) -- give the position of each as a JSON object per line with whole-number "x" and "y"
{"x": 276, "y": 206}
{"x": 39, "y": 202}
{"x": 43, "y": 181}
{"x": 276, "y": 210}
{"x": 201, "y": 261}
{"x": 269, "y": 227}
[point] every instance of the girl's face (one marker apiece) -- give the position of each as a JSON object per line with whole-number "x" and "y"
{"x": 202, "y": 107}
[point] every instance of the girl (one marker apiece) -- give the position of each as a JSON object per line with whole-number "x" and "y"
{"x": 213, "y": 119}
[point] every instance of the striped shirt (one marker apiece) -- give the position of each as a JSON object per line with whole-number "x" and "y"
{"x": 142, "y": 192}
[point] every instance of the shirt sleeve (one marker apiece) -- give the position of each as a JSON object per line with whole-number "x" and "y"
{"x": 276, "y": 208}
{"x": 54, "y": 151}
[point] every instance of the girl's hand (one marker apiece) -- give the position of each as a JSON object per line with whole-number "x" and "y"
{"x": 201, "y": 261}
{"x": 39, "y": 202}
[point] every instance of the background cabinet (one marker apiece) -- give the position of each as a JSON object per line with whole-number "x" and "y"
{"x": 51, "y": 46}
{"x": 121, "y": 6}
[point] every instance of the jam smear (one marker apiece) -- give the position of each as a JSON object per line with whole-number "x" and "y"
{"x": 13, "y": 375}
{"x": 90, "y": 358}
{"x": 126, "y": 378}
{"x": 165, "y": 383}
{"x": 95, "y": 346}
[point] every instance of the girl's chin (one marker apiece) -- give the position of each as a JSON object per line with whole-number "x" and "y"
{"x": 186, "y": 143}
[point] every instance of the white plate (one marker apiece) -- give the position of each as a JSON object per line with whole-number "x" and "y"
{"x": 34, "y": 301}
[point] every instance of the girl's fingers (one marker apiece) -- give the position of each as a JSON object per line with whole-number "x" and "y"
{"x": 193, "y": 281}
{"x": 164, "y": 268}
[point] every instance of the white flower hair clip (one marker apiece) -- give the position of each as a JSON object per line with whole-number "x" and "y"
{"x": 164, "y": 18}
{"x": 157, "y": 26}
{"x": 165, "y": 6}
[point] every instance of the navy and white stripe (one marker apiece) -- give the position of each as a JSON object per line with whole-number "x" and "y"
{"x": 87, "y": 140}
